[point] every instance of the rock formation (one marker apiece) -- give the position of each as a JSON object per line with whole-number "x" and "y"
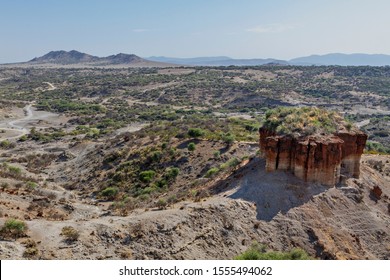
{"x": 322, "y": 158}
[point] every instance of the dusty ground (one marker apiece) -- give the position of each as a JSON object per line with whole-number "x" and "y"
{"x": 344, "y": 222}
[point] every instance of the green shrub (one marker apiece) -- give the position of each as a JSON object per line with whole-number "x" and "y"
{"x": 376, "y": 148}
{"x": 6, "y": 144}
{"x": 23, "y": 138}
{"x": 13, "y": 228}
{"x": 171, "y": 173}
{"x": 156, "y": 156}
{"x": 228, "y": 138}
{"x": 191, "y": 146}
{"x": 162, "y": 183}
{"x": 31, "y": 185}
{"x": 230, "y": 163}
{"x": 149, "y": 190}
{"x": 211, "y": 172}
{"x": 259, "y": 252}
{"x": 217, "y": 154}
{"x": 147, "y": 176}
{"x": 195, "y": 132}
{"x": 14, "y": 170}
{"x": 109, "y": 192}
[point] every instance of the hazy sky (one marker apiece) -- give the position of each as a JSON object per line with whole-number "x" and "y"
{"x": 187, "y": 28}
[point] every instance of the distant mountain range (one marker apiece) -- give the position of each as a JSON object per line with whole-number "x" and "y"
{"x": 328, "y": 59}
{"x": 217, "y": 61}
{"x": 358, "y": 59}
{"x": 75, "y": 58}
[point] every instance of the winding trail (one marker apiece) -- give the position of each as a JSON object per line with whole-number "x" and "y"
{"x": 17, "y": 124}
{"x": 51, "y": 86}
{"x": 21, "y": 126}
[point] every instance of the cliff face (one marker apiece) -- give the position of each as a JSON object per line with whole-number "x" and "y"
{"x": 320, "y": 159}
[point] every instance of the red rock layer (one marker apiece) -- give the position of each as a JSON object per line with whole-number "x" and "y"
{"x": 315, "y": 159}
{"x": 353, "y": 147}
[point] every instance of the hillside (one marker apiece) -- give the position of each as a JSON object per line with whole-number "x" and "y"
{"x": 63, "y": 57}
{"x": 78, "y": 59}
{"x": 165, "y": 163}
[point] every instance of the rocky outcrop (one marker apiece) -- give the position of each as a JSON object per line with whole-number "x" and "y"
{"x": 353, "y": 147}
{"x": 320, "y": 158}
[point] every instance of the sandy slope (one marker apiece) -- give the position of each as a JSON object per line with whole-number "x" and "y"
{"x": 343, "y": 222}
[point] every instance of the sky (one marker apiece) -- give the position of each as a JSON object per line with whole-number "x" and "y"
{"x": 282, "y": 29}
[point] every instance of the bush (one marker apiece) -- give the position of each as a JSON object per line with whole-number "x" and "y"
{"x": 13, "y": 228}
{"x": 23, "y": 138}
{"x": 161, "y": 203}
{"x": 31, "y": 251}
{"x": 211, "y": 172}
{"x": 228, "y": 138}
{"x": 147, "y": 176}
{"x": 6, "y": 144}
{"x": 109, "y": 192}
{"x": 171, "y": 173}
{"x": 191, "y": 146}
{"x": 14, "y": 170}
{"x": 70, "y": 233}
{"x": 156, "y": 156}
{"x": 230, "y": 163}
{"x": 31, "y": 185}
{"x": 259, "y": 252}
{"x": 195, "y": 132}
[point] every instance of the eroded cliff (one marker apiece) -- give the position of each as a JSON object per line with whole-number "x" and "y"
{"x": 319, "y": 157}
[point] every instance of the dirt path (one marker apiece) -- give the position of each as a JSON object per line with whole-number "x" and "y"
{"x": 51, "y": 86}
{"x": 362, "y": 123}
{"x": 21, "y": 126}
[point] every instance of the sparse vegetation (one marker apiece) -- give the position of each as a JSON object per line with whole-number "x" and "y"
{"x": 13, "y": 228}
{"x": 70, "y": 234}
{"x": 147, "y": 176}
{"x": 211, "y": 172}
{"x": 303, "y": 121}
{"x": 191, "y": 146}
{"x": 137, "y": 139}
{"x": 195, "y": 132}
{"x": 260, "y": 252}
{"x": 109, "y": 192}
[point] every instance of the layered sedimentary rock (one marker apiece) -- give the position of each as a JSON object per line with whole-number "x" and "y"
{"x": 320, "y": 158}
{"x": 353, "y": 147}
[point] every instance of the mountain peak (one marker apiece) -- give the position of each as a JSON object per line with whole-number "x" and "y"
{"x": 64, "y": 57}
{"x": 76, "y": 57}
